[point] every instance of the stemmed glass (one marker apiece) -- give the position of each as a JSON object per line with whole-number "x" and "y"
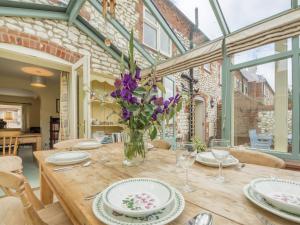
{"x": 219, "y": 149}
{"x": 185, "y": 158}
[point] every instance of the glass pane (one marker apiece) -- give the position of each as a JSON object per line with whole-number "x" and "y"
{"x": 240, "y": 13}
{"x": 262, "y": 51}
{"x": 165, "y": 43}
{"x": 12, "y": 115}
{"x": 150, "y": 36}
{"x": 208, "y": 23}
{"x": 263, "y": 106}
{"x": 169, "y": 127}
{"x": 61, "y": 3}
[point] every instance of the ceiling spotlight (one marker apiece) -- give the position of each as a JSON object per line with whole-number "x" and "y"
{"x": 37, "y": 71}
{"x": 39, "y": 82}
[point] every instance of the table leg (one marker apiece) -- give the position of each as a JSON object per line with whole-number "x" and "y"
{"x": 45, "y": 190}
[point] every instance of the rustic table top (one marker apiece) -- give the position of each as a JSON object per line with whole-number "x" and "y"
{"x": 225, "y": 201}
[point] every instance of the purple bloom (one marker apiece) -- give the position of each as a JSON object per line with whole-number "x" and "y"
{"x": 138, "y": 74}
{"x": 177, "y": 98}
{"x": 166, "y": 104}
{"x": 126, "y": 114}
{"x": 159, "y": 101}
{"x": 126, "y": 95}
{"x": 154, "y": 116}
{"x": 153, "y": 98}
{"x": 116, "y": 94}
{"x": 129, "y": 82}
{"x": 159, "y": 110}
{"x": 118, "y": 83}
{"x": 133, "y": 100}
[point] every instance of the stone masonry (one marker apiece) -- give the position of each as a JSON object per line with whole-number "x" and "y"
{"x": 69, "y": 43}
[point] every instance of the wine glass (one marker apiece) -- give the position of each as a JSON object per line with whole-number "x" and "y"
{"x": 219, "y": 149}
{"x": 185, "y": 158}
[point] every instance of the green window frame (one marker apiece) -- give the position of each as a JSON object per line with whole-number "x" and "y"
{"x": 227, "y": 95}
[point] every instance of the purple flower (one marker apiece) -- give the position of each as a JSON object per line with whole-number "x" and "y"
{"x": 126, "y": 114}
{"x": 138, "y": 74}
{"x": 159, "y": 101}
{"x": 133, "y": 100}
{"x": 153, "y": 98}
{"x": 154, "y": 116}
{"x": 177, "y": 98}
{"x": 159, "y": 110}
{"x": 116, "y": 94}
{"x": 171, "y": 99}
{"x": 166, "y": 104}
{"x": 126, "y": 94}
{"x": 118, "y": 83}
{"x": 129, "y": 82}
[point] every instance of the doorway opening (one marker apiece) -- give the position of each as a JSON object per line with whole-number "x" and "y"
{"x": 200, "y": 119}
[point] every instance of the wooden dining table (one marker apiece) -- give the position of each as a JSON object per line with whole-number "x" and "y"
{"x": 225, "y": 201}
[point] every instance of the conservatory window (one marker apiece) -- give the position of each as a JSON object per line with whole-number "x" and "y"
{"x": 250, "y": 11}
{"x": 263, "y": 110}
{"x": 262, "y": 51}
{"x": 154, "y": 36}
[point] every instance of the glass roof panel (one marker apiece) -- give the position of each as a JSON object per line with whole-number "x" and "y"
{"x": 208, "y": 23}
{"x": 59, "y": 3}
{"x": 240, "y": 13}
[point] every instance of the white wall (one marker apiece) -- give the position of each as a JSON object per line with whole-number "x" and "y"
{"x": 47, "y": 96}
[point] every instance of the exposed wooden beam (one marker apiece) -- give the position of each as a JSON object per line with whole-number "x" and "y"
{"x": 33, "y": 13}
{"x": 125, "y": 33}
{"x": 164, "y": 24}
{"x": 74, "y": 9}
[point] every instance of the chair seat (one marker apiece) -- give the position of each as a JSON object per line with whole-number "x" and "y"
{"x": 54, "y": 215}
{"x": 257, "y": 158}
{"x": 11, "y": 211}
{"x": 11, "y": 163}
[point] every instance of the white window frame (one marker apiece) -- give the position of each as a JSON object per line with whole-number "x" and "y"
{"x": 158, "y": 29}
{"x": 207, "y": 67}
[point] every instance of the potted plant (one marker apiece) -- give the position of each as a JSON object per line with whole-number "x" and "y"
{"x": 199, "y": 145}
{"x": 143, "y": 110}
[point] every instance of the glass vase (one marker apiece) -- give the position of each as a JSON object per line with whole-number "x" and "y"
{"x": 134, "y": 147}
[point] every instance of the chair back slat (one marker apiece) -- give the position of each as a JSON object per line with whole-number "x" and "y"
{"x": 16, "y": 182}
{"x": 9, "y": 145}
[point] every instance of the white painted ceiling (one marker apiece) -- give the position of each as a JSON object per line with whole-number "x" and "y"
{"x": 13, "y": 68}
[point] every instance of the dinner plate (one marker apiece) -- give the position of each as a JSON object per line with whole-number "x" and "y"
{"x": 207, "y": 158}
{"x": 258, "y": 200}
{"x": 283, "y": 194}
{"x": 138, "y": 196}
{"x": 67, "y": 158}
{"x": 86, "y": 145}
{"x": 164, "y": 216}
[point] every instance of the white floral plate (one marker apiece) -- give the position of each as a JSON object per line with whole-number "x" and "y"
{"x": 138, "y": 196}
{"x": 164, "y": 216}
{"x": 67, "y": 157}
{"x": 259, "y": 201}
{"x": 207, "y": 158}
{"x": 283, "y": 194}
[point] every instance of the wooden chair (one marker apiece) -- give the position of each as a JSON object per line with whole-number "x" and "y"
{"x": 162, "y": 144}
{"x": 50, "y": 215}
{"x": 257, "y": 158}
{"x": 9, "y": 145}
